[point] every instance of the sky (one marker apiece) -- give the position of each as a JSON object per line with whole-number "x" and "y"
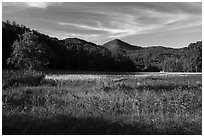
{"x": 143, "y": 24}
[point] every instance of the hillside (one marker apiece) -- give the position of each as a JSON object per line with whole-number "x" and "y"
{"x": 68, "y": 54}
{"x": 115, "y": 55}
{"x": 159, "y": 58}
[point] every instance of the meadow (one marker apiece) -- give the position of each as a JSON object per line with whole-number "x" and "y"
{"x": 101, "y": 104}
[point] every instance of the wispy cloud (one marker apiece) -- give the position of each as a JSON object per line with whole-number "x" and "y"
{"x": 42, "y": 5}
{"x": 120, "y": 24}
{"x": 106, "y": 20}
{"x": 63, "y": 35}
{"x": 91, "y": 37}
{"x": 111, "y": 31}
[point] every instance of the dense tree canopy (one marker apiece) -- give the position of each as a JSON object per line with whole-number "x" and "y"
{"x": 188, "y": 59}
{"x": 28, "y": 53}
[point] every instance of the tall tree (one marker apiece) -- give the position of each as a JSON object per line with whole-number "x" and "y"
{"x": 28, "y": 53}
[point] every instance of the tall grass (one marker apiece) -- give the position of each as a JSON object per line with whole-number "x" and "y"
{"x": 149, "y": 105}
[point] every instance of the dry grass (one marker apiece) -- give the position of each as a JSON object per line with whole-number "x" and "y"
{"x": 105, "y": 104}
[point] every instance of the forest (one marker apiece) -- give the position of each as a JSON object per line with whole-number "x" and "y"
{"x": 74, "y": 54}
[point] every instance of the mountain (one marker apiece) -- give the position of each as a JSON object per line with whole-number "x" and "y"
{"x": 157, "y": 58}
{"x": 68, "y": 54}
{"x": 77, "y": 41}
{"x": 115, "y": 55}
{"x": 187, "y": 59}
{"x": 118, "y": 46}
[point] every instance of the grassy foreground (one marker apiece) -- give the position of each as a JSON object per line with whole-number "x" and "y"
{"x": 140, "y": 105}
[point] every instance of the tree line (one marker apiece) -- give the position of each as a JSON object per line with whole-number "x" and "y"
{"x": 23, "y": 48}
{"x": 187, "y": 59}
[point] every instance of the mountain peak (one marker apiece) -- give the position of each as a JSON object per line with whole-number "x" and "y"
{"x": 119, "y": 45}
{"x": 117, "y": 40}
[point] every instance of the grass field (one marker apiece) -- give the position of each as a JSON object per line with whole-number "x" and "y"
{"x": 101, "y": 104}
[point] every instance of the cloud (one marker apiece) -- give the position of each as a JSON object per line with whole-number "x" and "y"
{"x": 111, "y": 32}
{"x": 107, "y": 20}
{"x": 123, "y": 24}
{"x": 39, "y": 5}
{"x": 96, "y": 28}
{"x": 122, "y": 20}
{"x": 22, "y": 5}
{"x": 112, "y": 25}
{"x": 42, "y": 5}
{"x": 90, "y": 37}
{"x": 63, "y": 34}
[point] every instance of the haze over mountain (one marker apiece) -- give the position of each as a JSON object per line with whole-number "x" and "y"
{"x": 115, "y": 55}
{"x": 117, "y": 46}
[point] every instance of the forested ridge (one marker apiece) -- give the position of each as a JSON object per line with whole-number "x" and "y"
{"x": 116, "y": 55}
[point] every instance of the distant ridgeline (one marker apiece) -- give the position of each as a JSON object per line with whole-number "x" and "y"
{"x": 116, "y": 55}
